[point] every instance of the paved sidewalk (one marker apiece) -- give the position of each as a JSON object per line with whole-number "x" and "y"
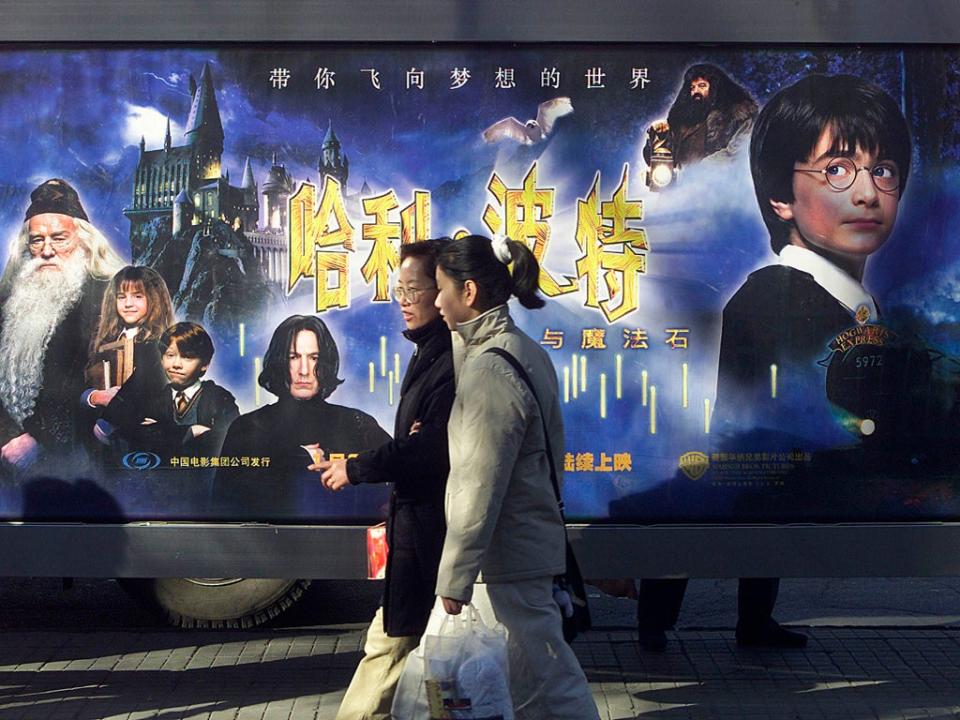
{"x": 301, "y": 674}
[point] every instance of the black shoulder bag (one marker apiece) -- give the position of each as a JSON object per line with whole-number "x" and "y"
{"x": 571, "y": 580}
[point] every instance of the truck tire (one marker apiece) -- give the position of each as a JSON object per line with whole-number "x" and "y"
{"x": 216, "y": 602}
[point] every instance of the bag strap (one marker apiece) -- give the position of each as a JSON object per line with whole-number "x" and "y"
{"x": 543, "y": 418}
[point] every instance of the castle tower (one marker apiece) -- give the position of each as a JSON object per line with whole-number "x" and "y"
{"x": 169, "y": 177}
{"x": 249, "y": 210}
{"x": 275, "y": 192}
{"x": 248, "y": 184}
{"x": 204, "y": 129}
{"x": 194, "y": 166}
{"x": 332, "y": 162}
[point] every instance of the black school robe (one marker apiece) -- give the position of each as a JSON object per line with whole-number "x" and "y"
{"x": 279, "y": 487}
{"x": 780, "y": 316}
{"x": 215, "y": 406}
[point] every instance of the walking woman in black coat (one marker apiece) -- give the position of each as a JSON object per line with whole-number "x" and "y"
{"x": 416, "y": 462}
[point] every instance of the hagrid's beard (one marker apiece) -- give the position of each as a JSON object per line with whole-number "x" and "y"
{"x": 690, "y": 112}
{"x": 38, "y": 303}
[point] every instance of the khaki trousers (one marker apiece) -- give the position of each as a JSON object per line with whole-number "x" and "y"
{"x": 546, "y": 680}
{"x": 371, "y": 690}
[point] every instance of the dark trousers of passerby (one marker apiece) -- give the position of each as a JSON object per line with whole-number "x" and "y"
{"x": 658, "y": 606}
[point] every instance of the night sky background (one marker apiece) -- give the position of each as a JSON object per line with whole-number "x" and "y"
{"x": 80, "y": 113}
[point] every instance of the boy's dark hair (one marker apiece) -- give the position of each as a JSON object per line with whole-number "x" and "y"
{"x": 426, "y": 251}
{"x": 191, "y": 339}
{"x": 275, "y": 377}
{"x": 859, "y": 113}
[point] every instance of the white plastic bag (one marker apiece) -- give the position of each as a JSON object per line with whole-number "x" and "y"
{"x": 465, "y": 669}
{"x": 410, "y": 699}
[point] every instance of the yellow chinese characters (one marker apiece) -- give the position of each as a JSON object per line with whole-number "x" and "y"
{"x": 313, "y": 230}
{"x": 384, "y": 258}
{"x": 593, "y": 339}
{"x": 552, "y": 338}
{"x": 597, "y": 462}
{"x": 599, "y": 235}
{"x": 526, "y": 214}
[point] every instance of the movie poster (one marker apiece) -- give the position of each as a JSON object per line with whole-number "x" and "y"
{"x": 747, "y": 255}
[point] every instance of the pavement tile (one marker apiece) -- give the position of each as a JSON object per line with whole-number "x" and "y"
{"x": 276, "y": 675}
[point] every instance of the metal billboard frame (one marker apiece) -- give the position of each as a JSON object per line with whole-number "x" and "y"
{"x": 176, "y": 549}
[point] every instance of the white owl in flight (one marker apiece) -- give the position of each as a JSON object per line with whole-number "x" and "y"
{"x": 532, "y": 131}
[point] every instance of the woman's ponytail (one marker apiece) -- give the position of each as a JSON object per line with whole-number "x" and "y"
{"x": 484, "y": 261}
{"x": 526, "y": 275}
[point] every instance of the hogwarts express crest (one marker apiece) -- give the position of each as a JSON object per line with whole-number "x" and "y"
{"x": 875, "y": 380}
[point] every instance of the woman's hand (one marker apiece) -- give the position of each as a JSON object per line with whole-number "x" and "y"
{"x": 334, "y": 475}
{"x": 453, "y": 607}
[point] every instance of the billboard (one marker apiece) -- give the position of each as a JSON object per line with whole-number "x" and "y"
{"x": 746, "y": 251}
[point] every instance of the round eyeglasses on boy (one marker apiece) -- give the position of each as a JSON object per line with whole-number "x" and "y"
{"x": 841, "y": 173}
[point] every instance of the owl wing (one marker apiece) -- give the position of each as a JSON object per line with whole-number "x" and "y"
{"x": 550, "y": 110}
{"x": 508, "y": 127}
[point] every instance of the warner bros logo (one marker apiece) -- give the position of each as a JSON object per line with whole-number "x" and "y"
{"x": 694, "y": 464}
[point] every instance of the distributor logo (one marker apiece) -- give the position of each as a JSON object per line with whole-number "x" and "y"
{"x": 694, "y": 464}
{"x": 140, "y": 460}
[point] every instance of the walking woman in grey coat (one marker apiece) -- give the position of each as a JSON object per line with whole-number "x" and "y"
{"x": 503, "y": 523}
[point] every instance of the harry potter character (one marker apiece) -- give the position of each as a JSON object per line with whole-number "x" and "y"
{"x": 136, "y": 309}
{"x": 300, "y": 367}
{"x": 830, "y": 156}
{"x": 187, "y": 415}
{"x": 51, "y": 291}
{"x": 711, "y": 114}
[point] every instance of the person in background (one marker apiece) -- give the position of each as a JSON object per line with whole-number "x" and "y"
{"x": 712, "y": 115}
{"x": 136, "y": 305}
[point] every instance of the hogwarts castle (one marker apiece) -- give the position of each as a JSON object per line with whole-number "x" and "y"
{"x": 187, "y": 183}
{"x": 189, "y": 175}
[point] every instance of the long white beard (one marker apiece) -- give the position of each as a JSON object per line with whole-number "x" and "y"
{"x": 39, "y": 302}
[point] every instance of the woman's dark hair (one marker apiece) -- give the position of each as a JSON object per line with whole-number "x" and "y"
{"x": 858, "y": 113}
{"x": 472, "y": 258}
{"x": 191, "y": 339}
{"x": 426, "y": 251}
{"x": 275, "y": 377}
